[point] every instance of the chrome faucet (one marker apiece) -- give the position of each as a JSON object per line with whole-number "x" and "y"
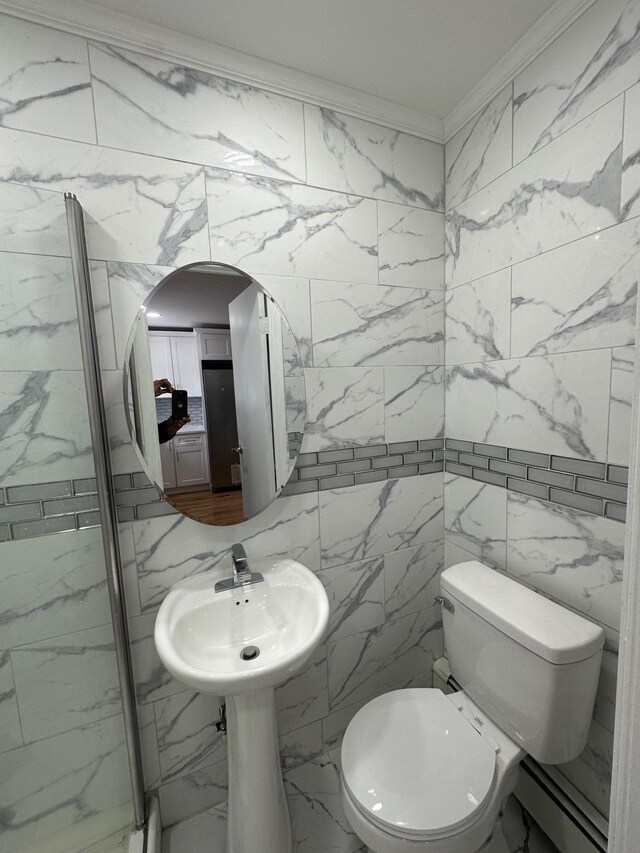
{"x": 242, "y": 574}
{"x": 241, "y": 570}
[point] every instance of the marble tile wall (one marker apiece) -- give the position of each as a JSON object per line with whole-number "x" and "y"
{"x": 542, "y": 266}
{"x": 343, "y": 223}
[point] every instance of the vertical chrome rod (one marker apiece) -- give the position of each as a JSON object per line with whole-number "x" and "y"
{"x": 106, "y": 496}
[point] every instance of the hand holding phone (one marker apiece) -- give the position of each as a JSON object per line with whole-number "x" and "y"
{"x": 179, "y": 405}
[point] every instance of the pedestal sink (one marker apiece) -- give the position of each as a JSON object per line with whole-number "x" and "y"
{"x": 241, "y": 643}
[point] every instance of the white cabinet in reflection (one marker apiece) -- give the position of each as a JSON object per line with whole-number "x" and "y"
{"x": 175, "y": 357}
{"x": 184, "y": 461}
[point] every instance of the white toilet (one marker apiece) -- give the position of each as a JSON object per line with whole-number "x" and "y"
{"x": 422, "y": 771}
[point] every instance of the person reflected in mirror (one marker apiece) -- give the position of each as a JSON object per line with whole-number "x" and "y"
{"x": 169, "y": 427}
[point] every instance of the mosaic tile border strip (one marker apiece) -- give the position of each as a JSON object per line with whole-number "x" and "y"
{"x": 353, "y": 466}
{"x": 594, "y": 487}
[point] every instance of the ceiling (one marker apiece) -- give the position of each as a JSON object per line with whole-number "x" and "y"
{"x": 422, "y": 54}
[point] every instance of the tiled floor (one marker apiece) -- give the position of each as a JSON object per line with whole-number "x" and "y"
{"x": 318, "y": 822}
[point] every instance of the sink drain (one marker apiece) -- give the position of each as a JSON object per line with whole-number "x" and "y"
{"x": 249, "y": 653}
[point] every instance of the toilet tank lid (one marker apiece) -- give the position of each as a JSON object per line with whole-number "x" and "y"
{"x": 542, "y": 626}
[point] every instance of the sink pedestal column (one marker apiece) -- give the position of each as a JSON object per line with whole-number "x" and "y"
{"x": 258, "y": 820}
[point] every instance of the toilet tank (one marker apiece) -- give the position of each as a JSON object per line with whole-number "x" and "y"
{"x": 530, "y": 664}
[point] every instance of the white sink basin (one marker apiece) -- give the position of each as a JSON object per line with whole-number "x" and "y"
{"x": 200, "y": 634}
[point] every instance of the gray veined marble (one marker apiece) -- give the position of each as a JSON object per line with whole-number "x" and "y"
{"x": 45, "y": 82}
{"x": 475, "y": 519}
{"x": 567, "y": 190}
{"x": 590, "y": 63}
{"x": 267, "y": 226}
{"x": 359, "y": 324}
{"x": 10, "y": 729}
{"x": 356, "y": 594}
{"x": 478, "y": 319}
{"x": 156, "y": 107}
{"x": 300, "y": 746}
{"x": 32, "y": 221}
{"x": 622, "y": 365}
{"x": 574, "y": 557}
{"x": 345, "y": 407}
{"x": 190, "y": 794}
{"x": 383, "y": 658}
{"x": 353, "y": 155}
{"x": 364, "y": 521}
{"x": 413, "y": 402}
{"x": 292, "y": 296}
{"x": 152, "y": 680}
{"x": 303, "y": 698}
{"x": 631, "y": 154}
{"x": 39, "y": 439}
{"x": 138, "y": 208}
{"x": 522, "y": 833}
{"x": 480, "y": 151}
{"x": 171, "y": 548}
{"x": 590, "y": 772}
{"x": 544, "y": 403}
{"x": 410, "y": 243}
{"x": 577, "y": 297}
{"x": 187, "y": 738}
{"x": 66, "y": 682}
{"x": 412, "y": 578}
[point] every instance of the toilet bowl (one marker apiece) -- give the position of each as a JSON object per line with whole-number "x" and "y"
{"x": 429, "y": 772}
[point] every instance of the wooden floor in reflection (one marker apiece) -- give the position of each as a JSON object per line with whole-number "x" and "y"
{"x": 211, "y": 507}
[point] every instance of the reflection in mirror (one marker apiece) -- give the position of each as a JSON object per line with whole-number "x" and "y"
{"x": 213, "y": 333}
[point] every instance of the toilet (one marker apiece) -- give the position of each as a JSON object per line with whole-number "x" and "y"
{"x": 425, "y": 771}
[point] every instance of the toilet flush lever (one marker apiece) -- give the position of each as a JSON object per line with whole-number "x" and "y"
{"x": 448, "y": 605}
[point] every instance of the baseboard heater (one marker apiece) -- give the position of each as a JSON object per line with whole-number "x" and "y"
{"x": 559, "y": 809}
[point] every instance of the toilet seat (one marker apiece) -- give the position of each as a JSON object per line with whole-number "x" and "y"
{"x": 415, "y": 766}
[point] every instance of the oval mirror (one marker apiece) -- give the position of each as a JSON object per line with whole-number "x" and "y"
{"x": 214, "y": 393}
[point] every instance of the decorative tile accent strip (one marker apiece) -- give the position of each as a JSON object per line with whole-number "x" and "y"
{"x": 352, "y": 466}
{"x": 592, "y": 487}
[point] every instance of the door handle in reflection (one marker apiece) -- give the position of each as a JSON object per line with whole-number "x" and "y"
{"x": 238, "y": 449}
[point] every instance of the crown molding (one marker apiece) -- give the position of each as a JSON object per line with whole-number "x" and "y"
{"x": 90, "y": 21}
{"x": 546, "y": 29}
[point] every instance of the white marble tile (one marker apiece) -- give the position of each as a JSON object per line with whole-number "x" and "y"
{"x": 413, "y": 403}
{"x": 137, "y": 208}
{"x": 345, "y": 407}
{"x": 355, "y": 156}
{"x": 187, "y": 737}
{"x": 67, "y": 682}
{"x": 124, "y": 456}
{"x": 10, "y": 730}
{"x": 360, "y": 324}
{"x": 564, "y": 192}
{"x": 318, "y": 823}
{"x": 622, "y": 363}
{"x": 335, "y": 725}
{"x": 594, "y": 60}
{"x": 454, "y": 554}
{"x": 590, "y": 772}
{"x": 384, "y": 658}
{"x": 301, "y": 745}
{"x": 605, "y": 708}
{"x": 32, "y": 221}
{"x": 364, "y": 521}
{"x": 522, "y": 833}
{"x": 45, "y": 432}
{"x": 356, "y": 595}
{"x": 171, "y": 548}
{"x": 266, "y": 226}
{"x": 55, "y": 784}
{"x": 630, "y": 199}
{"x": 303, "y": 698}
{"x": 189, "y": 795}
{"x": 45, "y": 81}
{"x": 152, "y": 680}
{"x": 149, "y": 746}
{"x": 129, "y": 286}
{"x": 412, "y": 578}
{"x": 204, "y": 830}
{"x": 411, "y": 247}
{"x": 478, "y": 321}
{"x": 156, "y": 107}
{"x": 475, "y": 518}
{"x": 553, "y": 404}
{"x": 38, "y": 325}
{"x": 292, "y": 296}
{"x": 575, "y": 557}
{"x": 480, "y": 151}
{"x": 51, "y": 583}
{"x": 580, "y": 296}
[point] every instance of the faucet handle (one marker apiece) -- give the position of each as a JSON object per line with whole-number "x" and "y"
{"x": 238, "y": 554}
